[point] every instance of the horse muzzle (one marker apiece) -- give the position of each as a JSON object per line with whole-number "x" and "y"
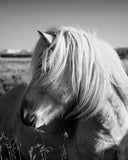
{"x": 26, "y": 116}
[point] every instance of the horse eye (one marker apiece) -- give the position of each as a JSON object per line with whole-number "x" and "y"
{"x": 52, "y": 48}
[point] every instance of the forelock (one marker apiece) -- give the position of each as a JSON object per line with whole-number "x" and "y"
{"x": 94, "y": 66}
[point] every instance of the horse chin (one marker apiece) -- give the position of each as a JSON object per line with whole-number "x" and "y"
{"x": 47, "y": 115}
{"x": 38, "y": 124}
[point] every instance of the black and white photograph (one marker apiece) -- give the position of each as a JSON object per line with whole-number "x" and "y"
{"x": 63, "y": 80}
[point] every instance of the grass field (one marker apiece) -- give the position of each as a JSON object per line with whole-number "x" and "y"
{"x": 13, "y": 71}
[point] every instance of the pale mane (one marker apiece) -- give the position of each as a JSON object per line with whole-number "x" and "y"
{"x": 94, "y": 65}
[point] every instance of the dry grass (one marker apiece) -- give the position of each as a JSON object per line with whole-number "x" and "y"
{"x": 14, "y": 66}
{"x": 10, "y": 149}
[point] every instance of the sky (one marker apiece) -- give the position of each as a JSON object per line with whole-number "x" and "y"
{"x": 20, "y": 20}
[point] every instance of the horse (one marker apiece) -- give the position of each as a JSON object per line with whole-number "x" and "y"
{"x": 78, "y": 86}
{"x": 18, "y": 141}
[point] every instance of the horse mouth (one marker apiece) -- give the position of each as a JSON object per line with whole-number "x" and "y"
{"x": 41, "y": 116}
{"x": 27, "y": 119}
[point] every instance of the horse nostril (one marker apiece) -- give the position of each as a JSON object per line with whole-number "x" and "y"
{"x": 27, "y": 118}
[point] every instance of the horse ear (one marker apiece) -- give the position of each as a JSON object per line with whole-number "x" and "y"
{"x": 47, "y": 37}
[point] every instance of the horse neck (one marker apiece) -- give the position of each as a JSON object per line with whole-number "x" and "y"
{"x": 114, "y": 116}
{"x": 88, "y": 136}
{"x": 114, "y": 119}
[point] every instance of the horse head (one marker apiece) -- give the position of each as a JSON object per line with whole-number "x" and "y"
{"x": 50, "y": 93}
{"x": 75, "y": 79}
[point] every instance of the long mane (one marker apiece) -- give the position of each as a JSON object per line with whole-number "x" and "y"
{"x": 94, "y": 65}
